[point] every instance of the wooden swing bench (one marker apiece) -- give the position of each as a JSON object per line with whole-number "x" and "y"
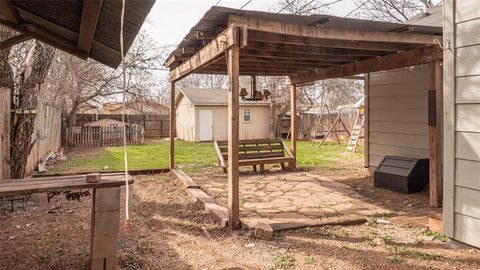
{"x": 257, "y": 152}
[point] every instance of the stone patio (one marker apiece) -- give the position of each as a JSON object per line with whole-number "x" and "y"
{"x": 290, "y": 200}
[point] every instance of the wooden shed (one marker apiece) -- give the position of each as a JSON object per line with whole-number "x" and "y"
{"x": 202, "y": 115}
{"x": 461, "y": 200}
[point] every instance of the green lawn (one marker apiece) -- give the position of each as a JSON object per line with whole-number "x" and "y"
{"x": 195, "y": 156}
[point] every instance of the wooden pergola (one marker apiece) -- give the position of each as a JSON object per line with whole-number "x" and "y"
{"x": 305, "y": 48}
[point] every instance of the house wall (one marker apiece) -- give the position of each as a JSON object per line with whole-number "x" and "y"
{"x": 462, "y": 124}
{"x": 257, "y": 129}
{"x": 398, "y": 114}
{"x": 185, "y": 121}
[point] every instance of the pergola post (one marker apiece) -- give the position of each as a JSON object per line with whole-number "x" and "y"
{"x": 233, "y": 136}
{"x": 435, "y": 111}
{"x": 293, "y": 122}
{"x": 172, "y": 126}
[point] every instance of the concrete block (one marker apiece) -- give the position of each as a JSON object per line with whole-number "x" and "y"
{"x": 104, "y": 246}
{"x": 106, "y": 199}
{"x": 104, "y": 264}
{"x": 106, "y": 222}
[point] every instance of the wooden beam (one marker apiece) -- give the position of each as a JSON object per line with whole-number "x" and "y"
{"x": 300, "y": 56}
{"x": 392, "y": 61}
{"x": 5, "y": 123}
{"x": 312, "y": 50}
{"x": 293, "y": 122}
{"x": 13, "y": 41}
{"x": 173, "y": 115}
{"x": 233, "y": 137}
{"x": 9, "y": 11}
{"x": 327, "y": 43}
{"x": 331, "y": 33}
{"x": 88, "y": 24}
{"x": 435, "y": 134}
{"x": 207, "y": 54}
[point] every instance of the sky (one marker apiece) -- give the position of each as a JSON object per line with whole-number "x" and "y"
{"x": 170, "y": 20}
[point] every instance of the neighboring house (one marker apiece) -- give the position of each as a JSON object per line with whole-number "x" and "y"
{"x": 461, "y": 209}
{"x": 397, "y": 107}
{"x": 202, "y": 115}
{"x": 105, "y": 123}
{"x": 135, "y": 107}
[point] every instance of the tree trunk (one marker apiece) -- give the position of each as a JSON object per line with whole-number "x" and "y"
{"x": 34, "y": 72}
{"x": 6, "y": 88}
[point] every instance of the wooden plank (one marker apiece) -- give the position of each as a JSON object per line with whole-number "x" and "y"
{"x": 260, "y": 161}
{"x": 173, "y": 115}
{"x": 233, "y": 135}
{"x": 468, "y": 33}
{"x": 393, "y": 61}
{"x": 186, "y": 180}
{"x": 467, "y": 145}
{"x": 344, "y": 44}
{"x": 9, "y": 11}
{"x": 207, "y": 54}
{"x": 5, "y": 133}
{"x": 466, "y": 228}
{"x": 468, "y": 89}
{"x": 468, "y": 65}
{"x": 467, "y": 117}
{"x": 465, "y": 10}
{"x": 435, "y": 135}
{"x": 366, "y": 128}
{"x": 399, "y": 115}
{"x": 467, "y": 174}
{"x": 293, "y": 121}
{"x": 400, "y": 140}
{"x": 467, "y": 202}
{"x": 331, "y": 33}
{"x": 13, "y": 41}
{"x": 88, "y": 24}
{"x": 407, "y": 128}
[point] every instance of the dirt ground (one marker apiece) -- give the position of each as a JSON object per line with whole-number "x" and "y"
{"x": 171, "y": 232}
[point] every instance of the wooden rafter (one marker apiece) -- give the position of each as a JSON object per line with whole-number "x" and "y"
{"x": 331, "y": 33}
{"x": 207, "y": 54}
{"x": 14, "y": 40}
{"x": 9, "y": 11}
{"x": 404, "y": 59}
{"x": 300, "y": 56}
{"x": 88, "y": 23}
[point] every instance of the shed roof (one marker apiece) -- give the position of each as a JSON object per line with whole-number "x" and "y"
{"x": 82, "y": 28}
{"x": 297, "y": 46}
{"x": 198, "y": 96}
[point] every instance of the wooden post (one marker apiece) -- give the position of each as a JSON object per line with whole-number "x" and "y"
{"x": 172, "y": 126}
{"x": 4, "y": 133}
{"x": 293, "y": 122}
{"x": 233, "y": 136}
{"x": 435, "y": 97}
{"x": 105, "y": 228}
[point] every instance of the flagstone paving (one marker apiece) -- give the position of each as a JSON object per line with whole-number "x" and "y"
{"x": 295, "y": 197}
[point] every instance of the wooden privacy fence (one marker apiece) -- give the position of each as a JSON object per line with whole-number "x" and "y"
{"x": 104, "y": 136}
{"x": 155, "y": 125}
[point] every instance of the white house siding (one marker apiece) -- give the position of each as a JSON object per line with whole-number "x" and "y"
{"x": 462, "y": 122}
{"x": 257, "y": 129}
{"x": 398, "y": 114}
{"x": 185, "y": 120}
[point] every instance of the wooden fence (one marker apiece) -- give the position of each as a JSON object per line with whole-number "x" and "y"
{"x": 46, "y": 135}
{"x": 104, "y": 136}
{"x": 154, "y": 125}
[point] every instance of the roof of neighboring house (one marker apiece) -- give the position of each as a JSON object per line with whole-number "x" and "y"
{"x": 200, "y": 96}
{"x": 431, "y": 17}
{"x": 82, "y": 28}
{"x": 106, "y": 121}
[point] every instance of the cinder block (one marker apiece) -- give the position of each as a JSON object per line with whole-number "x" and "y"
{"x": 104, "y": 264}
{"x": 104, "y": 246}
{"x": 106, "y": 222}
{"x": 107, "y": 199}
{"x": 264, "y": 231}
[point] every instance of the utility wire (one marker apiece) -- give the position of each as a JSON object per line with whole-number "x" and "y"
{"x": 248, "y": 2}
{"x": 218, "y": 2}
{"x": 285, "y": 7}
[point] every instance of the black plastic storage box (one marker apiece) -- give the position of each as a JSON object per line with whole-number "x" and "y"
{"x": 405, "y": 175}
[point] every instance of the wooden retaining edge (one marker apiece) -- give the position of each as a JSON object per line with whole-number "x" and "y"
{"x": 214, "y": 210}
{"x": 331, "y": 221}
{"x": 186, "y": 180}
{"x": 131, "y": 172}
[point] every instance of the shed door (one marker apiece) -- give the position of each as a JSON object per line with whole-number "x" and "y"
{"x": 206, "y": 125}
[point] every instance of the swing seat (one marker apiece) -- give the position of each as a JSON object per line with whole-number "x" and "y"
{"x": 257, "y": 152}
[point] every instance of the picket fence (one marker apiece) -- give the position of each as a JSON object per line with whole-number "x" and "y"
{"x": 104, "y": 136}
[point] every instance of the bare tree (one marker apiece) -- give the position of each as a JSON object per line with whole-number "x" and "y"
{"x": 304, "y": 7}
{"x": 208, "y": 81}
{"x": 391, "y": 10}
{"x": 28, "y": 82}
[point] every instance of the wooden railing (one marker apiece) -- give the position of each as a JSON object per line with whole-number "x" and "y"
{"x": 105, "y": 136}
